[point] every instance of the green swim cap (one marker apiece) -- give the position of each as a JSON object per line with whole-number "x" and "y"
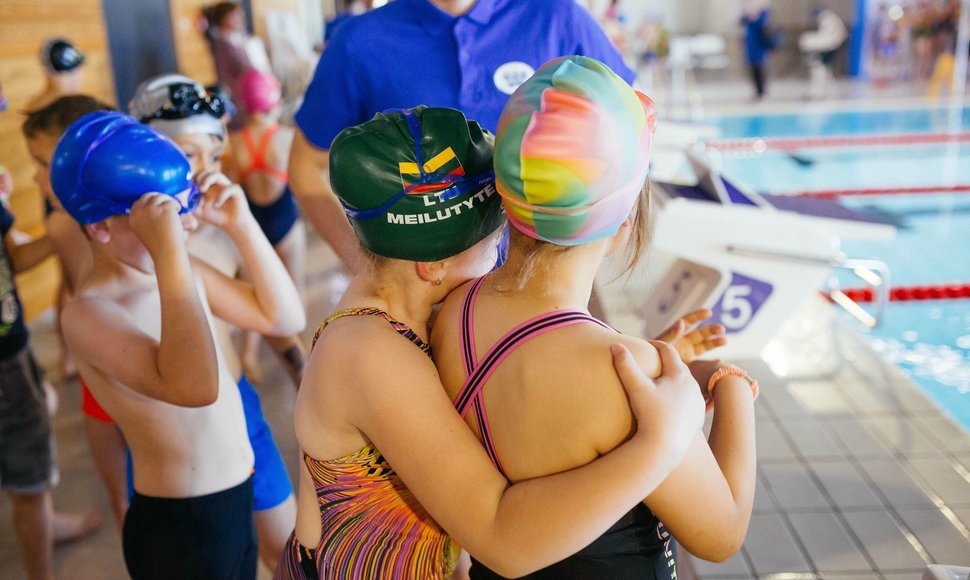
{"x": 417, "y": 184}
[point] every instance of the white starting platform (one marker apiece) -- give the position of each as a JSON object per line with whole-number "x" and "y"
{"x": 752, "y": 259}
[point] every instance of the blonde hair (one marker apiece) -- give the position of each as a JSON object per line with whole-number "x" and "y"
{"x": 535, "y": 255}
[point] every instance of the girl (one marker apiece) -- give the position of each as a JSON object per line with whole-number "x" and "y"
{"x": 389, "y": 472}
{"x": 520, "y": 349}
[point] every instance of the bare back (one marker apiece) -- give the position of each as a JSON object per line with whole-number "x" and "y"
{"x": 547, "y": 401}
{"x": 261, "y": 163}
{"x": 176, "y": 451}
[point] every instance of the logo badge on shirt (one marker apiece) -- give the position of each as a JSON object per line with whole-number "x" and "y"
{"x": 510, "y": 75}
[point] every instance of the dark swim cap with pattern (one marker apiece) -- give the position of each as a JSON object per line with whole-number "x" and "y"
{"x": 417, "y": 184}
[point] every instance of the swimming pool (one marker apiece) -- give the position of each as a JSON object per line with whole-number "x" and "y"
{"x": 929, "y": 340}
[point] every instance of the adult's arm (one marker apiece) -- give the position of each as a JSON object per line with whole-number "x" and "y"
{"x": 310, "y": 182}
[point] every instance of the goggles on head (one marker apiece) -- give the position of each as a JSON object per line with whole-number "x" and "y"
{"x": 186, "y": 100}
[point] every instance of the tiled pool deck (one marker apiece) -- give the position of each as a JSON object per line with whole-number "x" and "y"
{"x": 860, "y": 476}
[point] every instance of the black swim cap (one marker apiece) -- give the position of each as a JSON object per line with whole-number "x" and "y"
{"x": 58, "y": 55}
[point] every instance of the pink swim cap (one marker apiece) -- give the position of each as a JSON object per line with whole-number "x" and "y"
{"x": 259, "y": 91}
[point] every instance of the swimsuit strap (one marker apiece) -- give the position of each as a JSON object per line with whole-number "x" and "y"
{"x": 257, "y": 155}
{"x": 477, "y": 372}
{"x": 402, "y": 329}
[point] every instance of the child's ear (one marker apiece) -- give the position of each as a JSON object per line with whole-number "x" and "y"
{"x": 433, "y": 272}
{"x": 99, "y": 232}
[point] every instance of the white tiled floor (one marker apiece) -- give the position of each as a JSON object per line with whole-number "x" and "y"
{"x": 860, "y": 475}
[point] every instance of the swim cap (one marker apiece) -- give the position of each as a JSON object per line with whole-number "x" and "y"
{"x": 177, "y": 105}
{"x": 417, "y": 184}
{"x": 572, "y": 152}
{"x": 259, "y": 91}
{"x": 58, "y": 55}
{"x": 106, "y": 160}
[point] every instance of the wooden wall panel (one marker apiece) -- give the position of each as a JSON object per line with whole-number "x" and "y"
{"x": 260, "y": 7}
{"x": 191, "y": 48}
{"x": 24, "y": 26}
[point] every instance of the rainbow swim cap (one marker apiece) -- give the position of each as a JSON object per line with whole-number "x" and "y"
{"x": 417, "y": 184}
{"x": 106, "y": 160}
{"x": 572, "y": 152}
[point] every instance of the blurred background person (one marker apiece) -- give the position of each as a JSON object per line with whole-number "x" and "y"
{"x": 259, "y": 153}
{"x": 234, "y": 50}
{"x": 820, "y": 48}
{"x": 758, "y": 42}
{"x": 63, "y": 70}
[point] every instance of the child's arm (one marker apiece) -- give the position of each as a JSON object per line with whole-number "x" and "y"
{"x": 23, "y": 257}
{"x": 180, "y": 367}
{"x": 706, "y": 502}
{"x": 270, "y": 303}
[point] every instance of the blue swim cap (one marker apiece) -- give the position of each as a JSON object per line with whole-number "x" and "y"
{"x": 106, "y": 160}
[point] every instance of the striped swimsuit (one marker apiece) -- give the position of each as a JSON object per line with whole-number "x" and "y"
{"x": 371, "y": 524}
{"x": 638, "y": 546}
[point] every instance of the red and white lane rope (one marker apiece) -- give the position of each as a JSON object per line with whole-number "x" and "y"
{"x": 912, "y": 293}
{"x": 762, "y": 144}
{"x": 912, "y": 190}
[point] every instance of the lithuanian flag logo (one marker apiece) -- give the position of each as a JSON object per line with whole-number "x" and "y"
{"x": 444, "y": 163}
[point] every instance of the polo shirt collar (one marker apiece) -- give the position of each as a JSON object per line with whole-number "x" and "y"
{"x": 437, "y": 22}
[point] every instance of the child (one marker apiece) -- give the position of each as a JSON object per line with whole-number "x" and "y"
{"x": 63, "y": 71}
{"x": 259, "y": 152}
{"x": 519, "y": 346}
{"x": 195, "y": 125}
{"x": 27, "y": 466}
{"x": 42, "y": 129}
{"x": 139, "y": 327}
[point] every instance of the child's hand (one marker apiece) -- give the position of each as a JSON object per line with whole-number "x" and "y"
{"x": 694, "y": 343}
{"x": 702, "y": 370}
{"x": 155, "y": 220}
{"x": 223, "y": 202}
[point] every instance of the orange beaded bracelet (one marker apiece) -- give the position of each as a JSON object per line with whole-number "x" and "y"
{"x": 723, "y": 372}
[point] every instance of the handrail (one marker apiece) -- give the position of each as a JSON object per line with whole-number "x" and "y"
{"x": 874, "y": 273}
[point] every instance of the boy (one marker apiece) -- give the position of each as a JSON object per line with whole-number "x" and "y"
{"x": 181, "y": 109}
{"x": 42, "y": 129}
{"x": 27, "y": 468}
{"x": 140, "y": 329}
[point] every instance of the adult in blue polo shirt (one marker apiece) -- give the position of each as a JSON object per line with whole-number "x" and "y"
{"x": 465, "y": 54}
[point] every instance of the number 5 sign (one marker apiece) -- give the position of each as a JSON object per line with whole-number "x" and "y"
{"x": 740, "y": 302}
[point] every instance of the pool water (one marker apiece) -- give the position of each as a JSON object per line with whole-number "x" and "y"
{"x": 929, "y": 340}
{"x": 930, "y": 120}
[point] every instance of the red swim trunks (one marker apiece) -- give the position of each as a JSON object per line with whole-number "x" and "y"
{"x": 90, "y": 406}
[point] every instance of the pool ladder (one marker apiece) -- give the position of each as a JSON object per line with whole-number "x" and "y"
{"x": 873, "y": 273}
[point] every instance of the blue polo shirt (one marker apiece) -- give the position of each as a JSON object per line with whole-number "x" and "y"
{"x": 410, "y": 53}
